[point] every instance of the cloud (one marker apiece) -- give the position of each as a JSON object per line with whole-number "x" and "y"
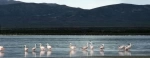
{"x": 88, "y": 4}
{"x": 139, "y": 2}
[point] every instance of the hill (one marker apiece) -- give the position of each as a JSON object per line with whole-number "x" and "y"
{"x": 32, "y": 15}
{"x": 5, "y": 2}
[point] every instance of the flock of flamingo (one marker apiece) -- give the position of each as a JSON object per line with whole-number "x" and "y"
{"x": 73, "y": 47}
{"x": 122, "y": 47}
{"x": 42, "y": 48}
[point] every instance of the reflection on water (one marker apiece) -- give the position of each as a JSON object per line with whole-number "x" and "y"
{"x": 102, "y": 53}
{"x": 25, "y": 54}
{"x": 85, "y": 52}
{"x": 72, "y": 53}
{"x": 1, "y": 54}
{"x": 13, "y": 45}
{"x": 49, "y": 53}
{"x": 124, "y": 53}
{"x": 91, "y": 52}
{"x": 34, "y": 54}
{"x": 42, "y": 53}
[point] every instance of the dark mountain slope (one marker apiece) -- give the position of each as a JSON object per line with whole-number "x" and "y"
{"x": 31, "y": 15}
{"x": 5, "y": 2}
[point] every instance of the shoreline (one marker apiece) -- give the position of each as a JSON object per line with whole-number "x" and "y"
{"x": 65, "y": 35}
{"x": 78, "y": 31}
{"x": 112, "y": 34}
{"x": 115, "y": 57}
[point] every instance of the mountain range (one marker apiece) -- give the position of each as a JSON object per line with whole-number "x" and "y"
{"x": 32, "y": 15}
{"x": 5, "y": 2}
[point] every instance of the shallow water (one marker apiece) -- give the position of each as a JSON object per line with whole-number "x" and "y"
{"x": 14, "y": 45}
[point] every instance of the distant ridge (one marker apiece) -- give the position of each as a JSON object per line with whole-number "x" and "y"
{"x": 5, "y": 2}
{"x": 32, "y": 15}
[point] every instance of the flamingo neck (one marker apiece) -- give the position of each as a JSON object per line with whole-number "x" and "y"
{"x": 130, "y": 44}
{"x": 91, "y": 43}
{"x": 70, "y": 45}
{"x": 47, "y": 44}
{"x": 40, "y": 45}
{"x": 25, "y": 46}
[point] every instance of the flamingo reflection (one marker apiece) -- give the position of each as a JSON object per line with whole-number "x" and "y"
{"x": 102, "y": 53}
{"x": 25, "y": 54}
{"x": 1, "y": 54}
{"x": 91, "y": 52}
{"x": 125, "y": 53}
{"x": 72, "y": 52}
{"x": 42, "y": 53}
{"x": 34, "y": 54}
{"x": 49, "y": 53}
{"x": 85, "y": 52}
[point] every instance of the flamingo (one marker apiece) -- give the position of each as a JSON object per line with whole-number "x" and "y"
{"x": 72, "y": 47}
{"x": 102, "y": 47}
{"x": 48, "y": 46}
{"x": 34, "y": 48}
{"x": 85, "y": 47}
{"x": 42, "y": 47}
{"x": 128, "y": 47}
{"x": 121, "y": 47}
{"x": 25, "y": 48}
{"x": 1, "y": 48}
{"x": 91, "y": 46}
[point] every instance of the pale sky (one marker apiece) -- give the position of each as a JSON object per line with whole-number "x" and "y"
{"x": 89, "y": 4}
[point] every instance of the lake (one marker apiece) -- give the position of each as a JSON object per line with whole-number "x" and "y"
{"x": 14, "y": 45}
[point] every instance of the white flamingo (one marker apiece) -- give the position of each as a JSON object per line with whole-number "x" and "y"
{"x": 121, "y": 47}
{"x": 42, "y": 47}
{"x": 128, "y": 47}
{"x": 85, "y": 47}
{"x": 34, "y": 48}
{"x": 49, "y": 47}
{"x": 72, "y": 47}
{"x": 91, "y": 46}
{"x": 25, "y": 48}
{"x": 102, "y": 47}
{"x": 1, "y": 48}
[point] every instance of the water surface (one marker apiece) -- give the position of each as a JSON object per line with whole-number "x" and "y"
{"x": 14, "y": 45}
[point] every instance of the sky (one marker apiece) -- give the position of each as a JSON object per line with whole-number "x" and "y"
{"x": 88, "y": 4}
